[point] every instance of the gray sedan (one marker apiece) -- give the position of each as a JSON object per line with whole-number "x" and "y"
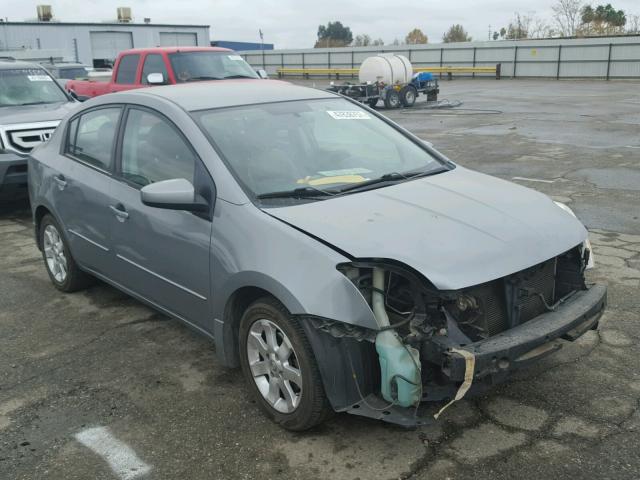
{"x": 341, "y": 262}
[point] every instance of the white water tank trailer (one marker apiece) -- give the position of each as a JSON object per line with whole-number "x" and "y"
{"x": 388, "y": 68}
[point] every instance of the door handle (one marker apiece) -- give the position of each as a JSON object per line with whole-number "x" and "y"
{"x": 119, "y": 211}
{"x": 62, "y": 183}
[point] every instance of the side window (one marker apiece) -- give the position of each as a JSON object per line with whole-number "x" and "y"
{"x": 92, "y": 136}
{"x": 152, "y": 150}
{"x": 154, "y": 64}
{"x": 127, "y": 69}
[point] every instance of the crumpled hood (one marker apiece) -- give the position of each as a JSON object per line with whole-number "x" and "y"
{"x": 459, "y": 228}
{"x": 36, "y": 113}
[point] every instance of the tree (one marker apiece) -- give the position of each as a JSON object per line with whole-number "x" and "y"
{"x": 496, "y": 35}
{"x": 396, "y": 41}
{"x": 415, "y": 37}
{"x": 503, "y": 32}
{"x": 456, "y": 33}
{"x": 602, "y": 20}
{"x": 365, "y": 41}
{"x": 518, "y": 27}
{"x": 633, "y": 24}
{"x": 334, "y": 34}
{"x": 539, "y": 28}
{"x": 362, "y": 40}
{"x": 566, "y": 14}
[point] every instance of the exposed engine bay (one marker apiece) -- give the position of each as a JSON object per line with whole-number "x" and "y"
{"x": 430, "y": 342}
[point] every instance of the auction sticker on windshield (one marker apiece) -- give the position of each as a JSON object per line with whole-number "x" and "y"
{"x": 349, "y": 115}
{"x": 39, "y": 78}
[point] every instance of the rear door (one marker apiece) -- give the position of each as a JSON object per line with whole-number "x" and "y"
{"x": 82, "y": 184}
{"x": 161, "y": 254}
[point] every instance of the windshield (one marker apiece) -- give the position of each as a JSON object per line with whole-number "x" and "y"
{"x": 320, "y": 146}
{"x": 193, "y": 66}
{"x": 28, "y": 86}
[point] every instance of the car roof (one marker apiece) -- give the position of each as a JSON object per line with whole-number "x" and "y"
{"x": 231, "y": 93}
{"x": 175, "y": 50}
{"x": 63, "y": 65}
{"x": 10, "y": 64}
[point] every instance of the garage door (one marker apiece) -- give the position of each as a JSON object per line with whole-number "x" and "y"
{"x": 178, "y": 39}
{"x": 107, "y": 45}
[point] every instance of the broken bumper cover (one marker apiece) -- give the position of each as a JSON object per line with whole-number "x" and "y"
{"x": 523, "y": 344}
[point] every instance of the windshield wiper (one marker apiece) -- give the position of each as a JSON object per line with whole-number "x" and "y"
{"x": 238, "y": 76}
{"x": 203, "y": 77}
{"x": 33, "y": 103}
{"x": 392, "y": 177}
{"x": 301, "y": 192}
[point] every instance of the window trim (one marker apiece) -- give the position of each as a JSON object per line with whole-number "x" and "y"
{"x": 117, "y": 171}
{"x": 64, "y": 151}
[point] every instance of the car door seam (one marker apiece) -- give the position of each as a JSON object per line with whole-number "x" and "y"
{"x": 79, "y": 235}
{"x": 175, "y": 284}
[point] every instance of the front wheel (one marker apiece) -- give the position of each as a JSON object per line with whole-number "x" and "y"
{"x": 279, "y": 367}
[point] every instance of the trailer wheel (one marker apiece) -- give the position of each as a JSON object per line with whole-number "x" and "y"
{"x": 432, "y": 96}
{"x": 392, "y": 99}
{"x": 408, "y": 95}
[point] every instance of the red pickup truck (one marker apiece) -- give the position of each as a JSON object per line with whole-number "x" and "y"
{"x": 144, "y": 67}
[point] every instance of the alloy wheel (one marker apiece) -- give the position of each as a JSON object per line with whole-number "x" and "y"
{"x": 274, "y": 366}
{"x": 54, "y": 253}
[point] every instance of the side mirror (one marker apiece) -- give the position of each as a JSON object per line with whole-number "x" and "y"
{"x": 174, "y": 194}
{"x": 155, "y": 79}
{"x": 262, "y": 73}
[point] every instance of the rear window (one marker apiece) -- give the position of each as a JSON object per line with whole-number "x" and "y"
{"x": 127, "y": 69}
{"x": 91, "y": 136}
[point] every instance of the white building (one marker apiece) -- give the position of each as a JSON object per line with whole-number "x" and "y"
{"x": 94, "y": 44}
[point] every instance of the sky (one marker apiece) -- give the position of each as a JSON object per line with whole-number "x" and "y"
{"x": 294, "y": 24}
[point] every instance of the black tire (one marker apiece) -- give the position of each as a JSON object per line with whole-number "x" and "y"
{"x": 75, "y": 279}
{"x": 313, "y": 407}
{"x": 392, "y": 99}
{"x": 432, "y": 96}
{"x": 408, "y": 95}
{"x": 372, "y": 102}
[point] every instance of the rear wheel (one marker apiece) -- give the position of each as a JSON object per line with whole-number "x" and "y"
{"x": 408, "y": 95}
{"x": 61, "y": 267}
{"x": 279, "y": 367}
{"x": 392, "y": 99}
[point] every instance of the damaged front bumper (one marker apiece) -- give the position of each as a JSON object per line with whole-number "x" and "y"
{"x": 519, "y": 346}
{"x": 494, "y": 358}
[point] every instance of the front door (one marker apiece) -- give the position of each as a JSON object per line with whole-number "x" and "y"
{"x": 161, "y": 254}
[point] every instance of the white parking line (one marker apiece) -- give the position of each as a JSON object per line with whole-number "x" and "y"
{"x": 532, "y": 179}
{"x": 121, "y": 458}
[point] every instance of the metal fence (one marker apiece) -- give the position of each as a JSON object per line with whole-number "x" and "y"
{"x": 603, "y": 57}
